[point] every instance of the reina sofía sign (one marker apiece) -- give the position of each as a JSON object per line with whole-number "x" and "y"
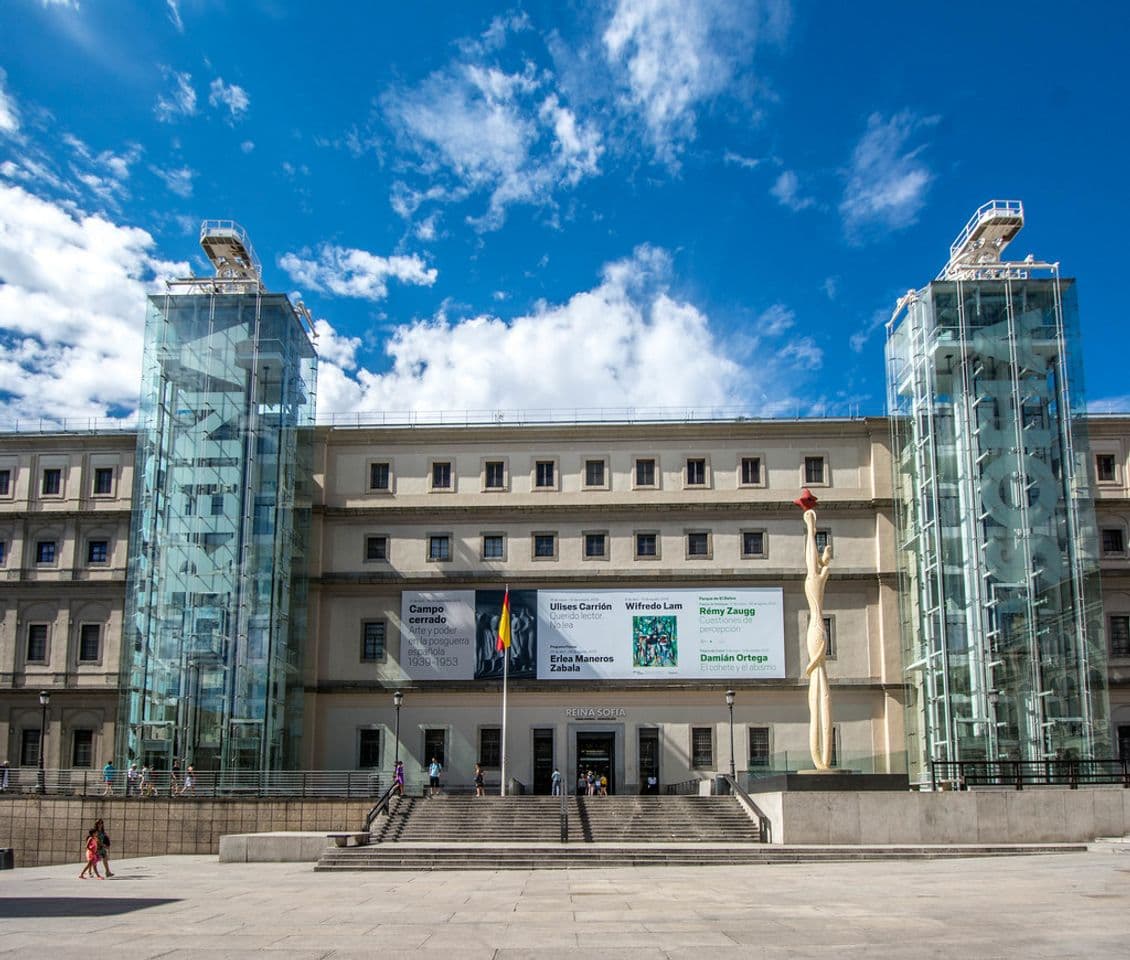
{"x": 595, "y": 713}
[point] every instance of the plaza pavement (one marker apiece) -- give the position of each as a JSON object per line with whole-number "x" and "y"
{"x": 175, "y": 908}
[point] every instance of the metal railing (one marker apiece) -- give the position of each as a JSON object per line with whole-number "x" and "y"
{"x": 764, "y": 824}
{"x": 963, "y": 774}
{"x": 231, "y": 784}
{"x": 381, "y": 806}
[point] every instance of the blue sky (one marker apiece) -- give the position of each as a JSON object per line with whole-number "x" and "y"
{"x": 638, "y": 203}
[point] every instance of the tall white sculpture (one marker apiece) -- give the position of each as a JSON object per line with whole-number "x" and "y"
{"x": 818, "y": 566}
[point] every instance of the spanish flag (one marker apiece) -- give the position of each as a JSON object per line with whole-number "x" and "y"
{"x": 504, "y": 624}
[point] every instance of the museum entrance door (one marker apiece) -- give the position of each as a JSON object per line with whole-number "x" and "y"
{"x": 543, "y": 760}
{"x": 597, "y": 752}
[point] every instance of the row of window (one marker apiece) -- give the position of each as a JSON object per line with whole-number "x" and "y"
{"x": 51, "y": 482}
{"x": 595, "y": 475}
{"x": 46, "y": 552}
{"x": 89, "y": 643}
{"x": 595, "y": 545}
{"x": 82, "y": 748}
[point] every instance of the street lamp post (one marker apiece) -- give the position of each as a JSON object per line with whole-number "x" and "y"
{"x": 397, "y": 699}
{"x": 730, "y": 703}
{"x": 44, "y": 699}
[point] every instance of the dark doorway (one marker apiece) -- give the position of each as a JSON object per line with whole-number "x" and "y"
{"x": 597, "y": 752}
{"x": 435, "y": 740}
{"x": 543, "y": 760}
{"x": 649, "y": 760}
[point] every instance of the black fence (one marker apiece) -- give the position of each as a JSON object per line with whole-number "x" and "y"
{"x": 963, "y": 774}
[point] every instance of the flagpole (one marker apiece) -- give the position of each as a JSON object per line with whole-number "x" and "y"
{"x": 505, "y": 675}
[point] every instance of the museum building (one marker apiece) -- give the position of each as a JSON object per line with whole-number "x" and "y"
{"x": 228, "y": 583}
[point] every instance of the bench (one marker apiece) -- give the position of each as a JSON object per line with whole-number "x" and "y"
{"x": 360, "y": 838}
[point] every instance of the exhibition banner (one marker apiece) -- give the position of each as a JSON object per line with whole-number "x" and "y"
{"x": 595, "y": 634}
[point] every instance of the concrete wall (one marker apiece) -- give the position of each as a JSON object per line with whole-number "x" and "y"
{"x": 53, "y": 830}
{"x": 974, "y": 816}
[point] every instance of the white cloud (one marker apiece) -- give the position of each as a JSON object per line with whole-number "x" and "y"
{"x": 180, "y": 101}
{"x": 625, "y": 342}
{"x": 737, "y": 159}
{"x": 888, "y": 179}
{"x": 9, "y": 115}
{"x": 775, "y": 320}
{"x": 174, "y": 15}
{"x": 247, "y": 146}
{"x": 347, "y": 272}
{"x": 106, "y": 173}
{"x": 831, "y": 287}
{"x": 478, "y": 127}
{"x": 673, "y": 56}
{"x": 334, "y": 348}
{"x": 232, "y": 96}
{"x": 178, "y": 180}
{"x": 858, "y": 340}
{"x": 803, "y": 353}
{"x": 72, "y": 309}
{"x": 786, "y": 190}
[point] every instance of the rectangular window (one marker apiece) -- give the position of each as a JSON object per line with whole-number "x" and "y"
{"x": 698, "y": 544}
{"x": 29, "y": 748}
{"x": 98, "y": 551}
{"x": 543, "y": 474}
{"x": 52, "y": 482}
{"x": 378, "y": 476}
{"x": 441, "y": 476}
{"x": 594, "y": 473}
{"x": 490, "y": 747}
{"x": 759, "y": 747}
{"x": 1114, "y": 543}
{"x": 368, "y": 748}
{"x": 696, "y": 472}
{"x": 1104, "y": 467}
{"x": 1120, "y": 635}
{"x": 753, "y": 543}
{"x": 37, "y": 643}
{"x": 45, "y": 551}
{"x": 830, "y": 633}
{"x": 376, "y": 548}
{"x": 82, "y": 748}
{"x": 751, "y": 471}
{"x": 5, "y": 483}
{"x": 103, "y": 481}
{"x": 814, "y": 470}
{"x": 494, "y": 475}
{"x": 3, "y": 553}
{"x": 494, "y": 546}
{"x": 823, "y": 539}
{"x": 435, "y": 745}
{"x": 90, "y": 642}
{"x": 439, "y": 547}
{"x": 545, "y": 546}
{"x": 372, "y": 641}
{"x": 596, "y": 546}
{"x": 217, "y": 505}
{"x": 647, "y": 546}
{"x": 645, "y": 473}
{"x": 702, "y": 747}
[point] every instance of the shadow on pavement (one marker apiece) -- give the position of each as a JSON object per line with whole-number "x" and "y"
{"x": 15, "y": 907}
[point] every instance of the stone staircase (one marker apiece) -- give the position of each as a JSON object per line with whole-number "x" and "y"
{"x": 463, "y": 819}
{"x": 655, "y": 819}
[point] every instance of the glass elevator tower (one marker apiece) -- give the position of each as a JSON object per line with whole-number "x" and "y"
{"x": 1003, "y": 645}
{"x": 216, "y": 596}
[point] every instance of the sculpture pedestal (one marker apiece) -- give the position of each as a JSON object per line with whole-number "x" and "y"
{"x": 838, "y": 780}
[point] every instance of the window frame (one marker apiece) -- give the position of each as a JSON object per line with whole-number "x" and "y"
{"x": 374, "y": 490}
{"x": 1109, "y": 552}
{"x": 636, "y": 554}
{"x": 535, "y": 535}
{"x": 605, "y": 473}
{"x": 3, "y": 553}
{"x": 768, "y": 761}
{"x": 76, "y": 763}
{"x": 433, "y": 465}
{"x": 823, "y": 534}
{"x": 536, "y": 475}
{"x": 56, "y": 494}
{"x": 39, "y": 551}
{"x": 831, "y": 648}
{"x": 701, "y": 462}
{"x": 709, "y": 544}
{"x": 83, "y": 627}
{"x": 485, "y": 471}
{"x": 825, "y": 473}
{"x": 484, "y": 760}
{"x": 760, "y": 482}
{"x": 96, "y": 474}
{"x": 697, "y": 760}
{"x": 36, "y": 625}
{"x": 90, "y": 544}
{"x": 8, "y": 485}
{"x": 1113, "y": 479}
{"x": 363, "y": 650}
{"x": 24, "y": 744}
{"x": 432, "y": 538}
{"x": 637, "y": 463}
{"x": 603, "y": 534}
{"x": 371, "y": 539}
{"x": 763, "y": 533}
{"x": 1123, "y": 649}
{"x": 491, "y": 535}
{"x": 362, "y": 731}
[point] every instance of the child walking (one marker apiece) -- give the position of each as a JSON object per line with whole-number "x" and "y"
{"x": 91, "y": 867}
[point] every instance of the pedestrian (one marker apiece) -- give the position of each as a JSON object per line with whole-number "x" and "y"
{"x": 103, "y": 845}
{"x": 555, "y": 783}
{"x": 90, "y": 868}
{"x": 479, "y": 791}
{"x": 147, "y": 787}
{"x": 582, "y": 783}
{"x": 5, "y": 773}
{"x": 590, "y": 783}
{"x": 174, "y": 779}
{"x": 435, "y": 768}
{"x": 603, "y": 785}
{"x": 108, "y": 773}
{"x": 398, "y": 778}
{"x": 133, "y": 781}
{"x": 188, "y": 790}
